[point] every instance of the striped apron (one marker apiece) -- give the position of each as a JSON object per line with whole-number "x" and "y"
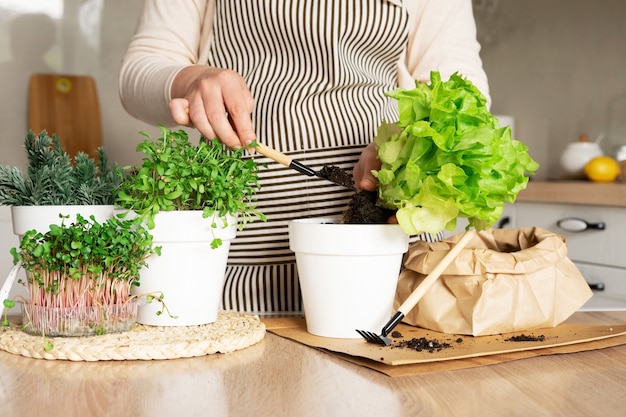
{"x": 318, "y": 71}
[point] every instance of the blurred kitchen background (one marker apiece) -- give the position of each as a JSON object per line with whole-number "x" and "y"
{"x": 558, "y": 67}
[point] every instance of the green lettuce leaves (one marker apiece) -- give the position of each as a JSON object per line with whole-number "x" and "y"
{"x": 446, "y": 157}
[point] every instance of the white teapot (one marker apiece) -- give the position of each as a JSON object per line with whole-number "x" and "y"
{"x": 577, "y": 154}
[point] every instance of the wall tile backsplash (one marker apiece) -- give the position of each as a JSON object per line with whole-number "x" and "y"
{"x": 555, "y": 66}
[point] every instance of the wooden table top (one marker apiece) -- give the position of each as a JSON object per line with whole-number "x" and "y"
{"x": 279, "y": 377}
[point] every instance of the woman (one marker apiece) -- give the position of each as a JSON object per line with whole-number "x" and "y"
{"x": 307, "y": 78}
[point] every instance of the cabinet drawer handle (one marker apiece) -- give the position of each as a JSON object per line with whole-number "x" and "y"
{"x": 503, "y": 222}
{"x": 574, "y": 224}
{"x": 598, "y": 286}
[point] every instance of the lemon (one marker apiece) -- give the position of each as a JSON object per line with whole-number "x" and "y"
{"x": 602, "y": 169}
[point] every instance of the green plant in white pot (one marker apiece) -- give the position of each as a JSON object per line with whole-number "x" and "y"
{"x": 446, "y": 157}
{"x": 55, "y": 184}
{"x": 193, "y": 198}
{"x": 81, "y": 274}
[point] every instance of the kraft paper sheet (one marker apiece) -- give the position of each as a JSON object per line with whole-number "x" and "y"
{"x": 472, "y": 351}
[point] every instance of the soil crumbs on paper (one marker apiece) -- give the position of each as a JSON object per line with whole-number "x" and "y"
{"x": 421, "y": 344}
{"x": 526, "y": 338}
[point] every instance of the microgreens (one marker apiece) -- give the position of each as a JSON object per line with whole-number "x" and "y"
{"x": 177, "y": 175}
{"x": 8, "y": 304}
{"x": 85, "y": 262}
{"x": 84, "y": 266}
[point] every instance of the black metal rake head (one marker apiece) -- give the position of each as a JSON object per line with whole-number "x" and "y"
{"x": 372, "y": 337}
{"x": 382, "y": 339}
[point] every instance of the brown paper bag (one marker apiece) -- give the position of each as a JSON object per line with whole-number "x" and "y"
{"x": 505, "y": 280}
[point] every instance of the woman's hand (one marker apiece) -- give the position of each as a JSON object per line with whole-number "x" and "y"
{"x": 215, "y": 101}
{"x": 362, "y": 173}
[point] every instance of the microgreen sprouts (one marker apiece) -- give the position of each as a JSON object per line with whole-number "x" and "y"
{"x": 85, "y": 262}
{"x": 177, "y": 175}
{"x": 84, "y": 266}
{"x": 8, "y": 304}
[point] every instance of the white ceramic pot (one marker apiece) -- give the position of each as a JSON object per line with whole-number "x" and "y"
{"x": 348, "y": 273}
{"x": 40, "y": 218}
{"x": 576, "y": 155}
{"x": 189, "y": 273}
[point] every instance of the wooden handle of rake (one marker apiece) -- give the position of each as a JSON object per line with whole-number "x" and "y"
{"x": 273, "y": 154}
{"x": 430, "y": 279}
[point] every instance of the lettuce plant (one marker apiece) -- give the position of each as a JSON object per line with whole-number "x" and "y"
{"x": 447, "y": 157}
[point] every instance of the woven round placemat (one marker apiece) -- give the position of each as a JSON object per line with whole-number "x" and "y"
{"x": 232, "y": 331}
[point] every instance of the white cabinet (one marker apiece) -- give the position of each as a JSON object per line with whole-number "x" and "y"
{"x": 598, "y": 249}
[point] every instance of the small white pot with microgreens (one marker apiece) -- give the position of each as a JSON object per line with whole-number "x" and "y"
{"x": 193, "y": 199}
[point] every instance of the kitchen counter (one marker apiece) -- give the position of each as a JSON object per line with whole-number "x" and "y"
{"x": 279, "y": 377}
{"x": 575, "y": 192}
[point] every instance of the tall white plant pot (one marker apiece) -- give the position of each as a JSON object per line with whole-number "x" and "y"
{"x": 348, "y": 274}
{"x": 189, "y": 273}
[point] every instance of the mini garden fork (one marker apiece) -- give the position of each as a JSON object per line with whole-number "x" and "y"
{"x": 417, "y": 294}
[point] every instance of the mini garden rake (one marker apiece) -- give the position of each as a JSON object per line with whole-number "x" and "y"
{"x": 417, "y": 294}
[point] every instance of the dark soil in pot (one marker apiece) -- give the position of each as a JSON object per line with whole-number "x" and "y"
{"x": 362, "y": 207}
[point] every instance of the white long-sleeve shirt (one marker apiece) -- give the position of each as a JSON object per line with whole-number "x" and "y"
{"x": 173, "y": 34}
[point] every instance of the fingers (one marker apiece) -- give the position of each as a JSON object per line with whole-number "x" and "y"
{"x": 218, "y": 103}
{"x": 239, "y": 114}
{"x": 368, "y": 182}
{"x": 231, "y": 119}
{"x": 368, "y": 161}
{"x": 179, "y": 108}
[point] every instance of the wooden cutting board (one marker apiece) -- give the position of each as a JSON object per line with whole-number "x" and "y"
{"x": 68, "y": 106}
